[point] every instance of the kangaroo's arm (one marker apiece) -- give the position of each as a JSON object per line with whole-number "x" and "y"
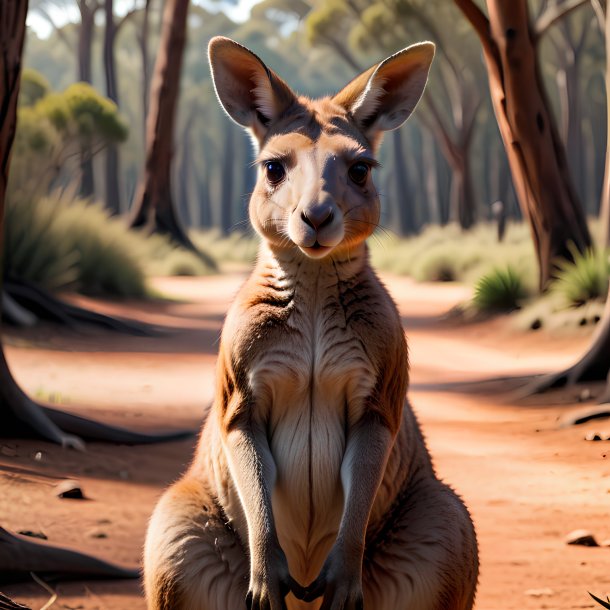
{"x": 254, "y": 472}
{"x": 373, "y": 423}
{"x": 366, "y": 455}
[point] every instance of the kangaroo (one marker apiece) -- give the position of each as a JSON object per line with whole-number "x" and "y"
{"x": 311, "y": 486}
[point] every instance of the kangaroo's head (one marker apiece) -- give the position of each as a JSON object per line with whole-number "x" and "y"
{"x": 314, "y": 189}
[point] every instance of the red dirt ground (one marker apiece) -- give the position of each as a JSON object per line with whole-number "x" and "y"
{"x": 527, "y": 482}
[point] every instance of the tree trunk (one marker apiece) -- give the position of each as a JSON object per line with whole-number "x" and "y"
{"x": 568, "y": 78}
{"x": 593, "y": 366}
{"x": 143, "y": 43}
{"x": 113, "y": 192}
{"x": 226, "y": 199}
{"x": 605, "y": 198}
{"x": 404, "y": 200}
{"x": 153, "y": 206}
{"x": 431, "y": 178}
{"x": 85, "y": 42}
{"x": 456, "y": 150}
{"x": 537, "y": 159}
{"x": 204, "y": 205}
{"x": 463, "y": 208}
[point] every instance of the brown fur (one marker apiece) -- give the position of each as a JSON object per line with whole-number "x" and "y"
{"x": 311, "y": 477}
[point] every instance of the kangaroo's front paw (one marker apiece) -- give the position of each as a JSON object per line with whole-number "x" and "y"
{"x": 270, "y": 582}
{"x": 339, "y": 582}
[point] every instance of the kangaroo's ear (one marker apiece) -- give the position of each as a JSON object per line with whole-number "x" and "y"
{"x": 251, "y": 94}
{"x": 383, "y": 97}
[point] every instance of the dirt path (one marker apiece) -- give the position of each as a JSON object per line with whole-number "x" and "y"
{"x": 526, "y": 482}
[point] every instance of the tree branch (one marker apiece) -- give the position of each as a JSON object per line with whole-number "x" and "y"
{"x": 552, "y": 14}
{"x": 60, "y": 32}
{"x": 478, "y": 20}
{"x": 439, "y": 131}
{"x": 343, "y": 52}
{"x": 599, "y": 13}
{"x": 126, "y": 17}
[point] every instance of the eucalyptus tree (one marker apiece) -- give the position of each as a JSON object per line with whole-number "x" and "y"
{"x": 594, "y": 365}
{"x": 537, "y": 158}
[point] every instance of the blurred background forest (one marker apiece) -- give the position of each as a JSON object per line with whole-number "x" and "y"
{"x": 82, "y": 126}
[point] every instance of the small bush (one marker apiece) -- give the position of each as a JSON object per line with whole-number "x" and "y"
{"x": 35, "y": 248}
{"x": 499, "y": 290}
{"x": 162, "y": 258}
{"x": 237, "y": 247}
{"x": 448, "y": 253}
{"x": 72, "y": 244}
{"x": 33, "y": 87}
{"x": 585, "y": 279}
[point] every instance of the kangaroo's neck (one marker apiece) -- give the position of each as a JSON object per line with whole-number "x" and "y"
{"x": 292, "y": 271}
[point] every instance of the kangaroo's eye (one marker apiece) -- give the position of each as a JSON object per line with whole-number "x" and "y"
{"x": 359, "y": 172}
{"x": 274, "y": 171}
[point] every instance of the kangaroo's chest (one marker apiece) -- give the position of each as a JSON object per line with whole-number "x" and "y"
{"x": 311, "y": 380}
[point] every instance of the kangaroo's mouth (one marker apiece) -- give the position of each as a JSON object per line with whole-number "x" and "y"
{"x": 317, "y": 250}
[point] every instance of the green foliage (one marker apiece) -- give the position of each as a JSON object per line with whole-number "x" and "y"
{"x": 35, "y": 135}
{"x": 161, "y": 257}
{"x": 34, "y": 245}
{"x": 585, "y": 279}
{"x": 81, "y": 111}
{"x": 54, "y": 129}
{"x": 448, "y": 253}
{"x": 601, "y": 602}
{"x": 107, "y": 262}
{"x": 71, "y": 244}
{"x": 93, "y": 114}
{"x": 236, "y": 248}
{"x": 499, "y": 290}
{"x": 61, "y": 243}
{"x": 321, "y": 24}
{"x": 34, "y": 86}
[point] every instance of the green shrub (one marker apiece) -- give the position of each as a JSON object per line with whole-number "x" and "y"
{"x": 33, "y": 87}
{"x": 108, "y": 261}
{"x": 162, "y": 258}
{"x": 237, "y": 247}
{"x": 585, "y": 279}
{"x": 61, "y": 243}
{"x": 499, "y": 290}
{"x": 72, "y": 244}
{"x": 55, "y": 129}
{"x": 443, "y": 253}
{"x": 81, "y": 111}
{"x": 34, "y": 245}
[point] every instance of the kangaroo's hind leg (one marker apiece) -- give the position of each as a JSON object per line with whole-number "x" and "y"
{"x": 193, "y": 560}
{"x": 425, "y": 556}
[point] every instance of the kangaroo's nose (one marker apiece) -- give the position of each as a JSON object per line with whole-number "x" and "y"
{"x": 317, "y": 218}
